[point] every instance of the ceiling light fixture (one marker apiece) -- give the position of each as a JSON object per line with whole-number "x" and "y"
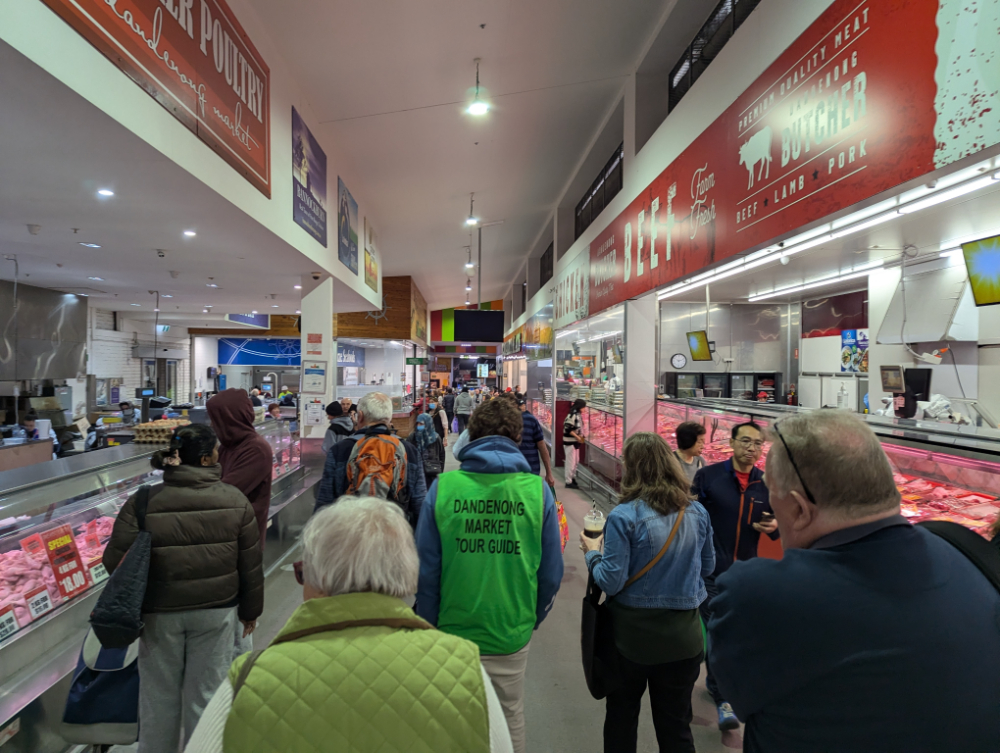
{"x": 297, "y": 287}
{"x": 862, "y": 271}
{"x": 472, "y": 220}
{"x": 105, "y": 192}
{"x": 211, "y": 285}
{"x": 98, "y": 279}
{"x": 953, "y": 193}
{"x": 298, "y": 311}
{"x": 209, "y": 306}
{"x": 204, "y": 311}
{"x": 478, "y": 107}
{"x": 469, "y": 264}
{"x": 468, "y": 285}
{"x": 274, "y": 305}
{"x": 190, "y": 233}
{"x": 90, "y": 245}
{"x": 135, "y": 304}
{"x": 167, "y": 296}
{"x": 253, "y": 312}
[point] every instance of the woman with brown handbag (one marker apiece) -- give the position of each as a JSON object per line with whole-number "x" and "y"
{"x": 657, "y": 549}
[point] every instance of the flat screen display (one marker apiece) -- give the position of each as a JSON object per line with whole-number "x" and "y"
{"x": 698, "y": 343}
{"x": 982, "y": 260}
{"x": 478, "y": 326}
{"x": 482, "y": 370}
{"x": 892, "y": 379}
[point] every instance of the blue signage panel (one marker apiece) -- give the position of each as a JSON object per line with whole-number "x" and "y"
{"x": 245, "y": 351}
{"x": 350, "y": 355}
{"x": 260, "y": 321}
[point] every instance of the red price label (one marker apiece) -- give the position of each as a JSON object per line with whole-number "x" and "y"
{"x": 92, "y": 540}
{"x": 65, "y": 560}
{"x": 8, "y": 623}
{"x": 33, "y": 545}
{"x": 39, "y": 602}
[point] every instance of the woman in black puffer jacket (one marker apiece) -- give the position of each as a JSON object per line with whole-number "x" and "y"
{"x": 205, "y": 572}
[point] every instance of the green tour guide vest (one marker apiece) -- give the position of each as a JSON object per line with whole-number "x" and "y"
{"x": 491, "y": 547}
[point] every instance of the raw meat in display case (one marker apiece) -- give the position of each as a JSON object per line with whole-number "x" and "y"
{"x": 540, "y": 410}
{"x": 718, "y": 430}
{"x": 603, "y": 430}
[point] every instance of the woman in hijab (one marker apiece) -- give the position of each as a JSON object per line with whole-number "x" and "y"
{"x": 430, "y": 446}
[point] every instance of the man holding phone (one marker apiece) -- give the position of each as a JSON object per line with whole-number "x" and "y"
{"x": 739, "y": 506}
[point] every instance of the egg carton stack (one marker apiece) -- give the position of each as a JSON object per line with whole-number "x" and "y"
{"x": 158, "y": 432}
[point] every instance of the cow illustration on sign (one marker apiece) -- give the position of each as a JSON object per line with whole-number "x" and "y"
{"x": 757, "y": 149}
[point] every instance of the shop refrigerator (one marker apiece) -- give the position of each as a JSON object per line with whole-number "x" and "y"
{"x": 681, "y": 384}
{"x": 716, "y": 385}
{"x": 943, "y": 471}
{"x": 55, "y": 521}
{"x": 750, "y": 387}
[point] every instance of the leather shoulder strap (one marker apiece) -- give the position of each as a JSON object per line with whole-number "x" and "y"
{"x": 141, "y": 504}
{"x": 666, "y": 546}
{"x": 393, "y": 622}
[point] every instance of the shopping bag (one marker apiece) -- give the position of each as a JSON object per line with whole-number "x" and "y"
{"x": 597, "y": 643}
{"x": 454, "y": 425}
{"x": 563, "y": 524}
{"x": 102, "y": 707}
{"x": 117, "y": 616}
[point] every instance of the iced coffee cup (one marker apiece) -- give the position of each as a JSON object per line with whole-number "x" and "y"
{"x": 593, "y": 524}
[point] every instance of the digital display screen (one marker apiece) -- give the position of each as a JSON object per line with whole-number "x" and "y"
{"x": 892, "y": 379}
{"x": 982, "y": 260}
{"x": 144, "y": 392}
{"x": 482, "y": 370}
{"x": 698, "y": 343}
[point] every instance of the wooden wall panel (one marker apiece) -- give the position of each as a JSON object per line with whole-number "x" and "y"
{"x": 392, "y": 323}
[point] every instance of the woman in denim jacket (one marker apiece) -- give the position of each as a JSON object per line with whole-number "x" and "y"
{"x": 657, "y": 626}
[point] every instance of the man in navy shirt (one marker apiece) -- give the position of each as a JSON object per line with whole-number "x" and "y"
{"x": 870, "y": 634}
{"x": 533, "y": 446}
{"x": 737, "y": 501}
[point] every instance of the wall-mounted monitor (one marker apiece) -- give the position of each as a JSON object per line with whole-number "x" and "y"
{"x": 892, "y": 379}
{"x": 698, "y": 343}
{"x": 982, "y": 260}
{"x": 478, "y": 325}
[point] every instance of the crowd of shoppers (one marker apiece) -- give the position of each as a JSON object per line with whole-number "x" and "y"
{"x": 869, "y": 634}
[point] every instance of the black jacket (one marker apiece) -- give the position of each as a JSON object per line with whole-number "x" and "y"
{"x": 733, "y": 512}
{"x": 449, "y": 403}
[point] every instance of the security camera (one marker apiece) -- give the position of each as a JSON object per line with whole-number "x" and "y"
{"x": 317, "y": 275}
{"x": 160, "y": 253}
{"x": 784, "y": 261}
{"x": 781, "y": 245}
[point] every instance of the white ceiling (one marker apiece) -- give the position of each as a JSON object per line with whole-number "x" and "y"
{"x": 58, "y": 149}
{"x": 390, "y": 79}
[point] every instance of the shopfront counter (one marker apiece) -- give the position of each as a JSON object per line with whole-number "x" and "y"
{"x": 942, "y": 471}
{"x": 22, "y": 454}
{"x": 65, "y": 510}
{"x": 405, "y": 421}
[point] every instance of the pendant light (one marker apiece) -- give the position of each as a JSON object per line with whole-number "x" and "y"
{"x": 478, "y": 106}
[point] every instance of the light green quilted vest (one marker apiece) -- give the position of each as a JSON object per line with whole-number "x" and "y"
{"x": 360, "y": 689}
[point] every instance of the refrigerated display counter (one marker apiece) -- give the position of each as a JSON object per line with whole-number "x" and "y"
{"x": 55, "y": 521}
{"x": 943, "y": 471}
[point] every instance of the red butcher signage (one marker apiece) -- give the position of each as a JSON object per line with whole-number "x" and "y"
{"x": 870, "y": 96}
{"x": 193, "y": 57}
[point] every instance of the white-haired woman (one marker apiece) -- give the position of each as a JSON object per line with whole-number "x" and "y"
{"x": 354, "y": 668}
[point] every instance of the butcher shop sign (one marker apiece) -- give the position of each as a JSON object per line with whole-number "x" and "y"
{"x": 871, "y": 96}
{"x": 193, "y": 57}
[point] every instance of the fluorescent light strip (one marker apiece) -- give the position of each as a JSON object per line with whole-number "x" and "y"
{"x": 817, "y": 284}
{"x": 953, "y": 193}
{"x": 865, "y": 225}
{"x": 951, "y": 252}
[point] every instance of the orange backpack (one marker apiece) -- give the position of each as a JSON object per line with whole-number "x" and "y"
{"x": 377, "y": 468}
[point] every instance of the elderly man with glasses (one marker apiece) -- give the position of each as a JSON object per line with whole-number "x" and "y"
{"x": 870, "y": 634}
{"x": 737, "y": 501}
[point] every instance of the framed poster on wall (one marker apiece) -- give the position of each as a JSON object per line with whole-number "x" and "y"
{"x": 314, "y": 377}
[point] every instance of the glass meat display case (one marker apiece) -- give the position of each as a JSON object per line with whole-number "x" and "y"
{"x": 943, "y": 471}
{"x": 55, "y": 521}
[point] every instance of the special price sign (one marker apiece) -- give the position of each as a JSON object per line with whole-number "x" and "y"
{"x": 872, "y": 95}
{"x": 196, "y": 61}
{"x": 65, "y": 560}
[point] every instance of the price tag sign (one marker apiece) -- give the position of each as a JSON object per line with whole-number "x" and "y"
{"x": 8, "y": 623}
{"x": 93, "y": 541}
{"x": 33, "y": 545}
{"x": 39, "y": 602}
{"x": 97, "y": 572}
{"x": 65, "y": 560}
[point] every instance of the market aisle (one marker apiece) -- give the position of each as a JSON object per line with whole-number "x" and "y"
{"x": 560, "y": 713}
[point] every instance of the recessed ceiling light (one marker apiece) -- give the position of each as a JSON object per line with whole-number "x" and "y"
{"x": 253, "y": 312}
{"x": 135, "y": 304}
{"x": 105, "y": 192}
{"x": 156, "y": 309}
{"x": 166, "y": 296}
{"x": 211, "y": 285}
{"x": 190, "y": 233}
{"x": 274, "y": 305}
{"x": 89, "y": 245}
{"x": 298, "y": 311}
{"x": 99, "y": 279}
{"x": 209, "y": 306}
{"x": 204, "y": 311}
{"x": 297, "y": 287}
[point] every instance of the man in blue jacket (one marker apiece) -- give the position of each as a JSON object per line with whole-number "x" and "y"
{"x": 870, "y": 634}
{"x": 374, "y": 417}
{"x": 490, "y": 553}
{"x": 737, "y": 501}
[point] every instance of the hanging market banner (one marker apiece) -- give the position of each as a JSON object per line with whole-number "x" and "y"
{"x": 872, "y": 95}
{"x": 196, "y": 61}
{"x": 308, "y": 180}
{"x": 347, "y": 223}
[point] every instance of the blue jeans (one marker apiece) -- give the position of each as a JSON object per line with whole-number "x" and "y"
{"x": 706, "y": 614}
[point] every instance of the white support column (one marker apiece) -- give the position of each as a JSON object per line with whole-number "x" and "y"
{"x": 317, "y": 319}
{"x": 640, "y": 364}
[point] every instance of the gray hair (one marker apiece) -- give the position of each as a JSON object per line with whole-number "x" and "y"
{"x": 376, "y": 408}
{"x": 840, "y": 459}
{"x": 360, "y": 544}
